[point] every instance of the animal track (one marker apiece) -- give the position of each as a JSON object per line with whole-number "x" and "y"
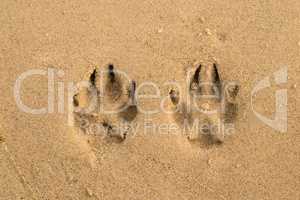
{"x": 104, "y": 106}
{"x": 209, "y": 103}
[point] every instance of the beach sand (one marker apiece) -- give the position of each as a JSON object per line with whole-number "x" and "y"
{"x": 42, "y": 157}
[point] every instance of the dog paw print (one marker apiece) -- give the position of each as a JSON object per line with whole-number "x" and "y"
{"x": 205, "y": 106}
{"x": 106, "y": 104}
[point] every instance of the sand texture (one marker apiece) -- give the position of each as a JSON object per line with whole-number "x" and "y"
{"x": 43, "y": 158}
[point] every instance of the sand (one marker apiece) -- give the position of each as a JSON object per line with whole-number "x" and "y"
{"x": 41, "y": 157}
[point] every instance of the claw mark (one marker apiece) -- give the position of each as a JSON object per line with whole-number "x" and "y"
{"x": 217, "y": 88}
{"x": 114, "y": 84}
{"x": 93, "y": 77}
{"x": 75, "y": 100}
{"x": 132, "y": 92}
{"x": 216, "y": 77}
{"x": 174, "y": 96}
{"x": 111, "y": 73}
{"x": 196, "y": 79}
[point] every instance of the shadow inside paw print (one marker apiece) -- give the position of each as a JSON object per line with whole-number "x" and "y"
{"x": 209, "y": 103}
{"x": 106, "y": 106}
